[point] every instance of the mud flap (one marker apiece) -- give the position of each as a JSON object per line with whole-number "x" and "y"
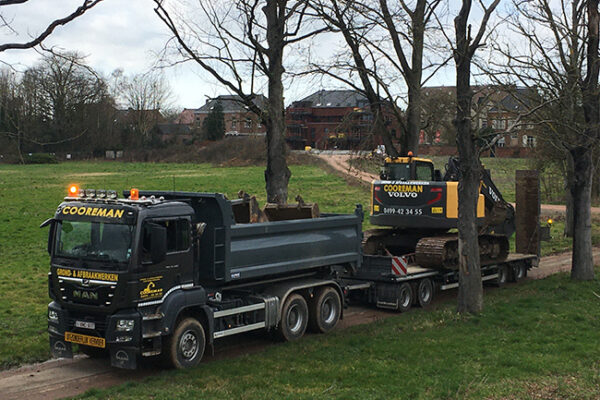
{"x": 60, "y": 348}
{"x": 123, "y": 358}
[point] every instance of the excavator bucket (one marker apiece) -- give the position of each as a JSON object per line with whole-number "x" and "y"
{"x": 246, "y": 209}
{"x": 283, "y": 212}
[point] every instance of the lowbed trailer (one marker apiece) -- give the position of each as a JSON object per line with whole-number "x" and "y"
{"x": 398, "y": 283}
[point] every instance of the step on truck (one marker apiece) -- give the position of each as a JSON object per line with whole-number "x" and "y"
{"x": 167, "y": 273}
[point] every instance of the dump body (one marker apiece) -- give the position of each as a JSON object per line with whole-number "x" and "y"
{"x": 239, "y": 252}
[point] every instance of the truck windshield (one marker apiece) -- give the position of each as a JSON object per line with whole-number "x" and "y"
{"x": 97, "y": 241}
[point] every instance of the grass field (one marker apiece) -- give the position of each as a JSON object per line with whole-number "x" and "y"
{"x": 538, "y": 339}
{"x": 30, "y": 194}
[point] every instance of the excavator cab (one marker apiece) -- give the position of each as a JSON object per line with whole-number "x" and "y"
{"x": 409, "y": 169}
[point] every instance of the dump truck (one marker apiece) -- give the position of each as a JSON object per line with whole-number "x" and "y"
{"x": 169, "y": 272}
{"x": 165, "y": 274}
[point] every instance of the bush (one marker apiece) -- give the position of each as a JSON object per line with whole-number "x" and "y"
{"x": 40, "y": 158}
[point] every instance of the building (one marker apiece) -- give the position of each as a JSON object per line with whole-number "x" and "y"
{"x": 239, "y": 120}
{"x": 332, "y": 119}
{"x": 493, "y": 107}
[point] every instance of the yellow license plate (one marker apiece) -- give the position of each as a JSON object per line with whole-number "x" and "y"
{"x": 93, "y": 341}
{"x": 437, "y": 210}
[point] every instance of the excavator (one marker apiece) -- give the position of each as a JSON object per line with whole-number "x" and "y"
{"x": 419, "y": 208}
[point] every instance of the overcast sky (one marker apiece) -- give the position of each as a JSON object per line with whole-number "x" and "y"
{"x": 122, "y": 34}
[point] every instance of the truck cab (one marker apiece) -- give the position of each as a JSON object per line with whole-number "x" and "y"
{"x": 108, "y": 258}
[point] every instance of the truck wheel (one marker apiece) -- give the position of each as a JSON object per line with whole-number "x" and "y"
{"x": 424, "y": 292}
{"x": 185, "y": 347}
{"x": 93, "y": 352}
{"x": 324, "y": 310}
{"x": 405, "y": 296}
{"x": 502, "y": 276}
{"x": 294, "y": 318}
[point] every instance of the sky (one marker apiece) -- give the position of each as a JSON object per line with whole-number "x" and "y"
{"x": 127, "y": 34}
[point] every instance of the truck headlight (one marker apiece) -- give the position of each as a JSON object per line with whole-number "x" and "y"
{"x": 52, "y": 315}
{"x": 125, "y": 325}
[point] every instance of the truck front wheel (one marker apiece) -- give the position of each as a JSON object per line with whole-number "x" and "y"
{"x": 325, "y": 310}
{"x": 185, "y": 347}
{"x": 294, "y": 318}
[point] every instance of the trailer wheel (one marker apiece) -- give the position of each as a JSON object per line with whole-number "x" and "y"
{"x": 424, "y": 292}
{"x": 294, "y": 318}
{"x": 324, "y": 310}
{"x": 185, "y": 347}
{"x": 519, "y": 272}
{"x": 502, "y": 276}
{"x": 405, "y": 296}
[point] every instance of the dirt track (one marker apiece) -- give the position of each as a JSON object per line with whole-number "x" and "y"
{"x": 60, "y": 378}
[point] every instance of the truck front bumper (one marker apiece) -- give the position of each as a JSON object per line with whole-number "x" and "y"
{"x": 123, "y": 347}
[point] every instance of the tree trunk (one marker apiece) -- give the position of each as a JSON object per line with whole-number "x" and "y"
{"x": 277, "y": 174}
{"x": 568, "y": 231}
{"x": 410, "y": 140}
{"x": 470, "y": 288}
{"x": 581, "y": 192}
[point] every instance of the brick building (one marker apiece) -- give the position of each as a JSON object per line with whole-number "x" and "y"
{"x": 331, "y": 118}
{"x": 238, "y": 119}
{"x": 493, "y": 107}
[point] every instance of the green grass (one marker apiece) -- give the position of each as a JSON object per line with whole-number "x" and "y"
{"x": 535, "y": 340}
{"x": 31, "y": 193}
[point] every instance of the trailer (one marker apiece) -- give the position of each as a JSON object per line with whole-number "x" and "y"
{"x": 398, "y": 283}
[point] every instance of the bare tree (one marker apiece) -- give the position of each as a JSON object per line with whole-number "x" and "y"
{"x": 560, "y": 63}
{"x": 145, "y": 96}
{"x": 241, "y": 43}
{"x": 385, "y": 43}
{"x": 470, "y": 289}
{"x": 39, "y": 38}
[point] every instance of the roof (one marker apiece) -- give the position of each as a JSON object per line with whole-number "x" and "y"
{"x": 231, "y": 104}
{"x": 333, "y": 98}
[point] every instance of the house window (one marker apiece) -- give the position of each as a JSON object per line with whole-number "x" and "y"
{"x": 483, "y": 123}
{"x": 248, "y": 123}
{"x": 530, "y": 141}
{"x": 233, "y": 124}
{"x": 499, "y": 124}
{"x": 501, "y": 142}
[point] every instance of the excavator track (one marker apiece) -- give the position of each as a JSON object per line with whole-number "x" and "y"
{"x": 442, "y": 251}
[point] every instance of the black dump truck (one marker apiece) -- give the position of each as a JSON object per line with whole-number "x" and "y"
{"x": 167, "y": 273}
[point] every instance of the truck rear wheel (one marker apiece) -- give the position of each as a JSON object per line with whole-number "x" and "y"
{"x": 424, "y": 292}
{"x": 185, "y": 347}
{"x": 405, "y": 296}
{"x": 294, "y": 318}
{"x": 324, "y": 310}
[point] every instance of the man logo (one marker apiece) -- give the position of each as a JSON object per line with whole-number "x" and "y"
{"x": 85, "y": 282}
{"x": 122, "y": 356}
{"x": 85, "y": 294}
{"x": 60, "y": 347}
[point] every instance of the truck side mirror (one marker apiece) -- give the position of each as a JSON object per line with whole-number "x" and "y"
{"x": 49, "y": 222}
{"x": 158, "y": 243}
{"x": 437, "y": 175}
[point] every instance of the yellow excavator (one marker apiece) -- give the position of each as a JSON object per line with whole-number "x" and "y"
{"x": 419, "y": 207}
